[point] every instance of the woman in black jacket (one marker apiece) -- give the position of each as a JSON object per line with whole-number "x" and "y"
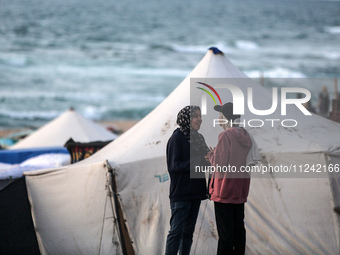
{"x": 185, "y": 193}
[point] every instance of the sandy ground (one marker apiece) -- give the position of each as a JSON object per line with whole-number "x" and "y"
{"x": 120, "y": 126}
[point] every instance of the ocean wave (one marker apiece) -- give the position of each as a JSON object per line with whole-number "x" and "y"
{"x": 30, "y": 115}
{"x": 189, "y": 49}
{"x": 130, "y": 113}
{"x": 145, "y": 98}
{"x": 307, "y": 53}
{"x": 332, "y": 29}
{"x": 278, "y": 72}
{"x": 246, "y": 45}
{"x": 108, "y": 71}
{"x": 161, "y": 47}
{"x": 93, "y": 113}
{"x": 201, "y": 49}
{"x": 327, "y": 53}
{"x": 332, "y": 55}
{"x": 123, "y": 109}
{"x": 14, "y": 60}
{"x": 153, "y": 71}
{"x": 58, "y": 96}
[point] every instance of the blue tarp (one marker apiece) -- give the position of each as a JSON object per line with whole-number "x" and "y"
{"x": 20, "y": 155}
{"x": 215, "y": 50}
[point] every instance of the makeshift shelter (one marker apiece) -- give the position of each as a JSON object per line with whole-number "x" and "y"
{"x": 40, "y": 150}
{"x": 89, "y": 208}
{"x": 68, "y": 125}
{"x": 17, "y": 235}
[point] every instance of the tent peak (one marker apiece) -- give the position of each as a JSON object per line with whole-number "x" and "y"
{"x": 216, "y": 51}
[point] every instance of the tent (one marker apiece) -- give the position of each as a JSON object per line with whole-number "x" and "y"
{"x": 117, "y": 203}
{"x": 68, "y": 125}
{"x": 40, "y": 150}
{"x": 17, "y": 234}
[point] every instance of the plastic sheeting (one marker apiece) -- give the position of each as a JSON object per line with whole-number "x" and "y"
{"x": 43, "y": 161}
{"x": 19, "y": 155}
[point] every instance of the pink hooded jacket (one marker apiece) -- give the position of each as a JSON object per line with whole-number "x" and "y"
{"x": 231, "y": 152}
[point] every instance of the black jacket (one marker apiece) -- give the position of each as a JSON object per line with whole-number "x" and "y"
{"x": 182, "y": 187}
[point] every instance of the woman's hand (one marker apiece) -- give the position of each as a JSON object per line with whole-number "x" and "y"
{"x": 208, "y": 154}
{"x": 207, "y": 157}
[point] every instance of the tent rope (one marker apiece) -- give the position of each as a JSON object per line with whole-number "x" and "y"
{"x": 102, "y": 231}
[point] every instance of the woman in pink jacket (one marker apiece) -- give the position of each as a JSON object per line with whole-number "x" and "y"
{"x": 229, "y": 187}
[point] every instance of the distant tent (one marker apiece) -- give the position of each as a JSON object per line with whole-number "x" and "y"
{"x": 44, "y": 145}
{"x": 68, "y": 125}
{"x": 81, "y": 208}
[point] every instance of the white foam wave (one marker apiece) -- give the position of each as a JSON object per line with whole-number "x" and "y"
{"x": 109, "y": 71}
{"x": 253, "y": 73}
{"x": 332, "y": 55}
{"x": 141, "y": 98}
{"x": 125, "y": 46}
{"x": 246, "y": 45}
{"x": 14, "y": 60}
{"x": 93, "y": 113}
{"x": 30, "y": 115}
{"x": 189, "y": 49}
{"x": 152, "y": 72}
{"x": 278, "y": 72}
{"x": 223, "y": 47}
{"x": 332, "y": 29}
{"x": 79, "y": 96}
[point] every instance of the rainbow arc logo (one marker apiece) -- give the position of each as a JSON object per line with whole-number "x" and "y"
{"x": 209, "y": 93}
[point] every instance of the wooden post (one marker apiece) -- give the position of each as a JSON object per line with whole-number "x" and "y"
{"x": 335, "y": 88}
{"x": 261, "y": 78}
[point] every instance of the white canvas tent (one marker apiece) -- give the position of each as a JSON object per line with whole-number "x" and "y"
{"x": 74, "y": 213}
{"x": 68, "y": 125}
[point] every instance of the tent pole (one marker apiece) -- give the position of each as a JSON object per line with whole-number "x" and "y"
{"x": 118, "y": 216}
{"x": 110, "y": 194}
{"x": 124, "y": 237}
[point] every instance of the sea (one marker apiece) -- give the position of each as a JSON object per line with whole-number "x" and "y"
{"x": 114, "y": 60}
